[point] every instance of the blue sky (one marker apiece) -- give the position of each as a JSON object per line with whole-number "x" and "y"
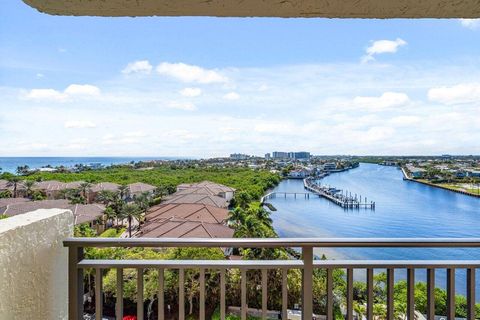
{"x": 211, "y": 86}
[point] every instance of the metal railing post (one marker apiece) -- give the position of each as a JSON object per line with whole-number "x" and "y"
{"x": 307, "y": 283}
{"x": 75, "y": 284}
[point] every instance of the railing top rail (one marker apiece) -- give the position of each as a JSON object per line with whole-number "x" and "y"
{"x": 278, "y": 264}
{"x": 277, "y": 242}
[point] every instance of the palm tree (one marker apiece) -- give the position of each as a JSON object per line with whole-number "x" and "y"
{"x": 28, "y": 187}
{"x": 85, "y": 188}
{"x": 124, "y": 192}
{"x": 106, "y": 197}
{"x": 143, "y": 201}
{"x": 236, "y": 217}
{"x": 110, "y": 214}
{"x": 13, "y": 181}
{"x": 131, "y": 211}
{"x": 359, "y": 309}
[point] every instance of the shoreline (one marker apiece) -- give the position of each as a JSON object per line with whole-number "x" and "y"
{"x": 406, "y": 177}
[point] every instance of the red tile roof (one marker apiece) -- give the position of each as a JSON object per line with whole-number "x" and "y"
{"x": 182, "y": 228}
{"x": 189, "y": 211}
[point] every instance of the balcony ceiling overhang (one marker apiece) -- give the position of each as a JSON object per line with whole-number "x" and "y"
{"x": 263, "y": 8}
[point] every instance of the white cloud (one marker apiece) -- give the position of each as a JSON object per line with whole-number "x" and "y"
{"x": 190, "y": 73}
{"x": 382, "y": 46}
{"x": 40, "y": 75}
{"x": 385, "y": 101}
{"x": 82, "y": 90}
{"x": 470, "y": 23}
{"x": 79, "y": 124}
{"x": 191, "y": 92}
{"x": 46, "y": 94}
{"x": 73, "y": 90}
{"x": 460, "y": 93}
{"x": 231, "y": 96}
{"x": 187, "y": 106}
{"x": 141, "y": 66}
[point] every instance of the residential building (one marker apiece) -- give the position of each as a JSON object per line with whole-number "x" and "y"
{"x": 103, "y": 186}
{"x": 138, "y": 188}
{"x": 210, "y": 188}
{"x": 183, "y": 228}
{"x": 83, "y": 213}
{"x": 193, "y": 212}
{"x": 197, "y": 198}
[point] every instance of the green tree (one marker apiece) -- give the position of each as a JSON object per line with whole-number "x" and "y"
{"x": 131, "y": 211}
{"x": 85, "y": 188}
{"x": 14, "y": 182}
{"x": 28, "y": 185}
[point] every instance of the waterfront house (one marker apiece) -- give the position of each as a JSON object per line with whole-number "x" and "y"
{"x": 215, "y": 201}
{"x": 188, "y": 211}
{"x": 210, "y": 188}
{"x": 329, "y": 166}
{"x": 183, "y": 228}
{"x": 473, "y": 173}
{"x": 415, "y": 172}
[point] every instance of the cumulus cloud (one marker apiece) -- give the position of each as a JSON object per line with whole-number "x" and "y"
{"x": 190, "y": 73}
{"x": 382, "y": 46}
{"x": 46, "y": 94}
{"x": 191, "y": 92}
{"x": 140, "y": 66}
{"x": 73, "y": 90}
{"x": 458, "y": 94}
{"x": 82, "y": 90}
{"x": 385, "y": 101}
{"x": 231, "y": 96}
{"x": 470, "y": 23}
{"x": 79, "y": 124}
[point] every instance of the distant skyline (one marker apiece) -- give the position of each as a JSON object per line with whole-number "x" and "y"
{"x": 207, "y": 87}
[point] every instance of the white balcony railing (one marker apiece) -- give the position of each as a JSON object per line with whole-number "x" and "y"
{"x": 307, "y": 264}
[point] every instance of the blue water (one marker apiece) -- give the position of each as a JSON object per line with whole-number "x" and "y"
{"x": 403, "y": 209}
{"x": 10, "y": 164}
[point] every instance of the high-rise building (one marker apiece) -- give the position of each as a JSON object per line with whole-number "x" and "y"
{"x": 279, "y": 155}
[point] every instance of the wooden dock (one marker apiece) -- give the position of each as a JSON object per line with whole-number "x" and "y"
{"x": 273, "y": 195}
{"x": 343, "y": 200}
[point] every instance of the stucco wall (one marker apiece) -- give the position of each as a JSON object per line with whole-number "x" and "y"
{"x": 264, "y": 8}
{"x": 33, "y": 265}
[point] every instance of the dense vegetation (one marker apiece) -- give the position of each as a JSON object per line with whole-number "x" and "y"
{"x": 254, "y": 182}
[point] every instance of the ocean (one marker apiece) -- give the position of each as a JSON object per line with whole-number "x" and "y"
{"x": 10, "y": 164}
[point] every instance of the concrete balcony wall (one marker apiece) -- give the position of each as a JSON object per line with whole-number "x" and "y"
{"x": 34, "y": 265}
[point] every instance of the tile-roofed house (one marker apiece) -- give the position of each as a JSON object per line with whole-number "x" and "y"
{"x": 211, "y": 188}
{"x": 73, "y": 185}
{"x": 82, "y": 212}
{"x": 6, "y": 202}
{"x": 198, "y": 198}
{"x": 181, "y": 228}
{"x": 6, "y": 186}
{"x": 140, "y": 187}
{"x": 103, "y": 186}
{"x": 87, "y": 212}
{"x": 191, "y": 212}
{"x": 51, "y": 188}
